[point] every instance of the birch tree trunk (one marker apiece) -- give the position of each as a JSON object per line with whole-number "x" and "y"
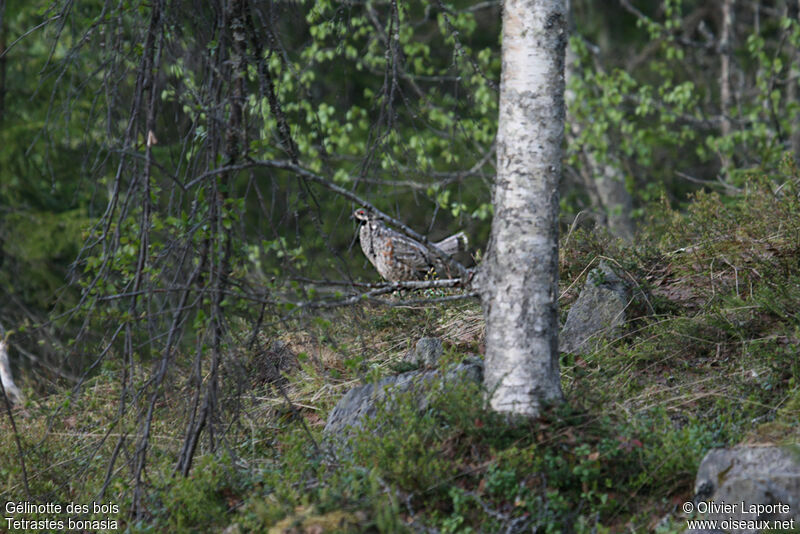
{"x": 520, "y": 288}
{"x": 604, "y": 183}
{"x": 6, "y": 379}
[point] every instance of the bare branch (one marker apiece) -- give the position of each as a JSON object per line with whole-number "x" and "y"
{"x": 329, "y": 185}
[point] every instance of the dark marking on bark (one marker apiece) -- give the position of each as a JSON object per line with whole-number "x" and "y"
{"x": 553, "y": 20}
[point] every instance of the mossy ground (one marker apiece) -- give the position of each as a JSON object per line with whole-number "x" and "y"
{"x": 709, "y": 358}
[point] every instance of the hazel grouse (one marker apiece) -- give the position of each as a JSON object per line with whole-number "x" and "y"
{"x": 398, "y": 257}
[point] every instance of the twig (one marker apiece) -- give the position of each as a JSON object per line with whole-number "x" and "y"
{"x": 712, "y": 183}
{"x": 329, "y": 185}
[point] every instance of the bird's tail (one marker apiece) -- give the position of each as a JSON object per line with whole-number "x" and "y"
{"x": 454, "y": 243}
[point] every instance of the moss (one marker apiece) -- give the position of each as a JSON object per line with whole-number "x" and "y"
{"x": 707, "y": 360}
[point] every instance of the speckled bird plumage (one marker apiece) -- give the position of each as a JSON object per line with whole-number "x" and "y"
{"x": 397, "y": 257}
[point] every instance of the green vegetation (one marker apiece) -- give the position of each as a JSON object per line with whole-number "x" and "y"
{"x": 709, "y": 361}
{"x": 167, "y": 217}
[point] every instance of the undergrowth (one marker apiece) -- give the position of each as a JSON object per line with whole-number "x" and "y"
{"x": 707, "y": 359}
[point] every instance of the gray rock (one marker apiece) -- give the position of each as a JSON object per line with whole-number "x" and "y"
{"x": 598, "y": 312}
{"x": 364, "y": 401}
{"x": 426, "y": 353}
{"x": 749, "y": 476}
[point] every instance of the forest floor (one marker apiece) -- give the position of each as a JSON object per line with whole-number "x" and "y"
{"x": 708, "y": 358}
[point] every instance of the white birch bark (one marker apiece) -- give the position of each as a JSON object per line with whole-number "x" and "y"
{"x": 12, "y": 391}
{"x": 520, "y": 284}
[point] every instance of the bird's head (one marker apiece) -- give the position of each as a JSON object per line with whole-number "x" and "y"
{"x": 361, "y": 214}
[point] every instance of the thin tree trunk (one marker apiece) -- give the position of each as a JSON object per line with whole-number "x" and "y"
{"x": 617, "y": 201}
{"x": 2, "y": 61}
{"x": 604, "y": 183}
{"x": 725, "y": 93}
{"x": 6, "y": 378}
{"x": 793, "y": 11}
{"x": 520, "y": 289}
{"x": 725, "y": 44}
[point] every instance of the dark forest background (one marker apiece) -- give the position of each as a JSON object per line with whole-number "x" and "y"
{"x": 176, "y": 185}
